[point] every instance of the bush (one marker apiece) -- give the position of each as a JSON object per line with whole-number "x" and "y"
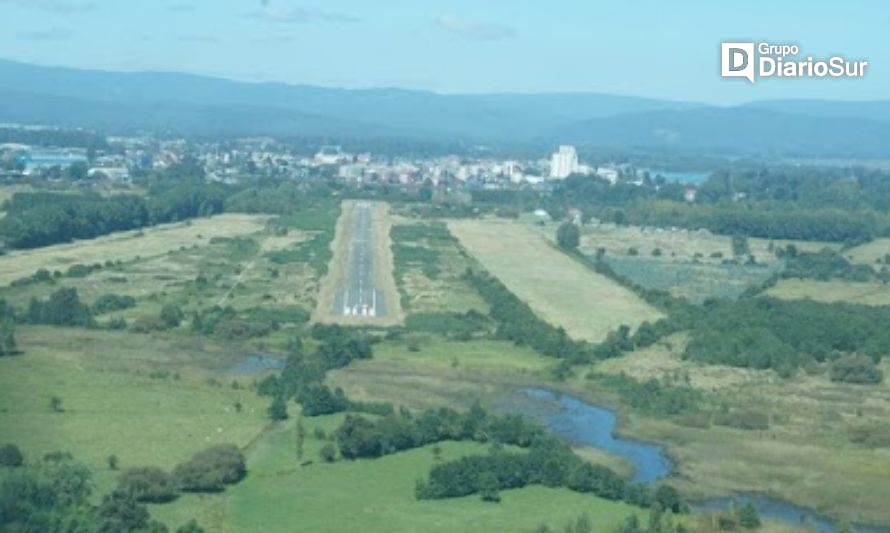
{"x": 856, "y": 369}
{"x": 11, "y": 456}
{"x": 210, "y": 470}
{"x": 112, "y": 302}
{"x": 148, "y": 484}
{"x": 568, "y": 236}
{"x": 328, "y": 453}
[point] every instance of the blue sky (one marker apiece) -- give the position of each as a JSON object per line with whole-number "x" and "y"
{"x": 650, "y": 48}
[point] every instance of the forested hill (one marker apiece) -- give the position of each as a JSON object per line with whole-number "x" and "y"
{"x": 119, "y": 102}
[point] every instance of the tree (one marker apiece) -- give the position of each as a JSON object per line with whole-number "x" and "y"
{"x": 120, "y": 511}
{"x": 7, "y": 337}
{"x": 55, "y": 403}
{"x": 171, "y": 316}
{"x": 301, "y": 436}
{"x": 148, "y": 484}
{"x": 328, "y": 453}
{"x": 11, "y": 456}
{"x": 668, "y": 498}
{"x": 568, "y": 236}
{"x": 488, "y": 487}
{"x": 740, "y": 245}
{"x": 749, "y": 518}
{"x": 278, "y": 409}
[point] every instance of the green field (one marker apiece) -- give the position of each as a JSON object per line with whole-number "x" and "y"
{"x": 148, "y": 400}
{"x": 378, "y": 495}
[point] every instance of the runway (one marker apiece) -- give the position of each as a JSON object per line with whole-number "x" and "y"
{"x": 357, "y": 294}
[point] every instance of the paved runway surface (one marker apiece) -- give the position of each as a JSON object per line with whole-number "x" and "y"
{"x": 358, "y": 296}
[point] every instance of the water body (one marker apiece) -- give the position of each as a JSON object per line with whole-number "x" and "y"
{"x": 256, "y": 364}
{"x": 582, "y": 423}
{"x": 685, "y": 177}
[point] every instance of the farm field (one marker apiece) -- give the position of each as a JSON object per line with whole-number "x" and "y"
{"x": 867, "y": 293}
{"x": 558, "y": 288}
{"x": 807, "y": 455}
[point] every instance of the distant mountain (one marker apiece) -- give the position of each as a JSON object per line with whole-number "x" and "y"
{"x": 743, "y": 130}
{"x": 118, "y": 102}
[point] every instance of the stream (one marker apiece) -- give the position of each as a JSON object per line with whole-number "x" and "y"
{"x": 590, "y": 425}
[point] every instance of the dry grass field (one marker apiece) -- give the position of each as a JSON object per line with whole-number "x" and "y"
{"x": 560, "y": 289}
{"x": 869, "y": 253}
{"x": 867, "y": 293}
{"x": 128, "y": 245}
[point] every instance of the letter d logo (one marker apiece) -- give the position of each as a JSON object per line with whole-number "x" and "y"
{"x": 737, "y": 60}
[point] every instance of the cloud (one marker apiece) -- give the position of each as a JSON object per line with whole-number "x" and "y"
{"x": 62, "y": 7}
{"x": 182, "y": 8}
{"x": 299, "y": 15}
{"x": 49, "y": 35}
{"x": 475, "y": 30}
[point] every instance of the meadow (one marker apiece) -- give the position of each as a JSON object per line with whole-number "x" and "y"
{"x": 150, "y": 400}
{"x": 558, "y": 288}
{"x": 867, "y": 293}
{"x": 378, "y": 494}
{"x": 429, "y": 265}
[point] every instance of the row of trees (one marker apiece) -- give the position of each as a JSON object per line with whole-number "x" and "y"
{"x": 548, "y": 462}
{"x": 36, "y": 219}
{"x": 359, "y": 436}
{"x": 518, "y": 323}
{"x": 303, "y": 375}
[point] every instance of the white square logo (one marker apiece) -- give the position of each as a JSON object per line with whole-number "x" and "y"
{"x": 737, "y": 60}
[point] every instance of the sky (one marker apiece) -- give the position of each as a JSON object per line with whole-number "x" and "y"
{"x": 658, "y": 48}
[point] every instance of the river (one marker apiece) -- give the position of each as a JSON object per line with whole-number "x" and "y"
{"x": 590, "y": 425}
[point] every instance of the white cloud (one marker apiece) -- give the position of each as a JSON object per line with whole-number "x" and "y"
{"x": 298, "y": 15}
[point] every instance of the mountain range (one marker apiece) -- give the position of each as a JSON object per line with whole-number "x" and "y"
{"x": 185, "y": 104}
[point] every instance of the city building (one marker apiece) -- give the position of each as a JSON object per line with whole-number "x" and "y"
{"x": 564, "y": 162}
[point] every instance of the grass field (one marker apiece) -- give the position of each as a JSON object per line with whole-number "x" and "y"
{"x": 378, "y": 495}
{"x": 428, "y": 268}
{"x": 149, "y": 400}
{"x": 128, "y": 245}
{"x": 559, "y": 289}
{"x": 867, "y": 293}
{"x": 869, "y": 253}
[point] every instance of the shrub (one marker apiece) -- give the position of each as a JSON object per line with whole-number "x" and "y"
{"x": 11, "y": 456}
{"x": 112, "y": 302}
{"x": 148, "y": 484}
{"x": 856, "y": 369}
{"x": 328, "y": 453}
{"x": 210, "y": 470}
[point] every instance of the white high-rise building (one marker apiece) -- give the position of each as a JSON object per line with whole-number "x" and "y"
{"x": 564, "y": 162}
